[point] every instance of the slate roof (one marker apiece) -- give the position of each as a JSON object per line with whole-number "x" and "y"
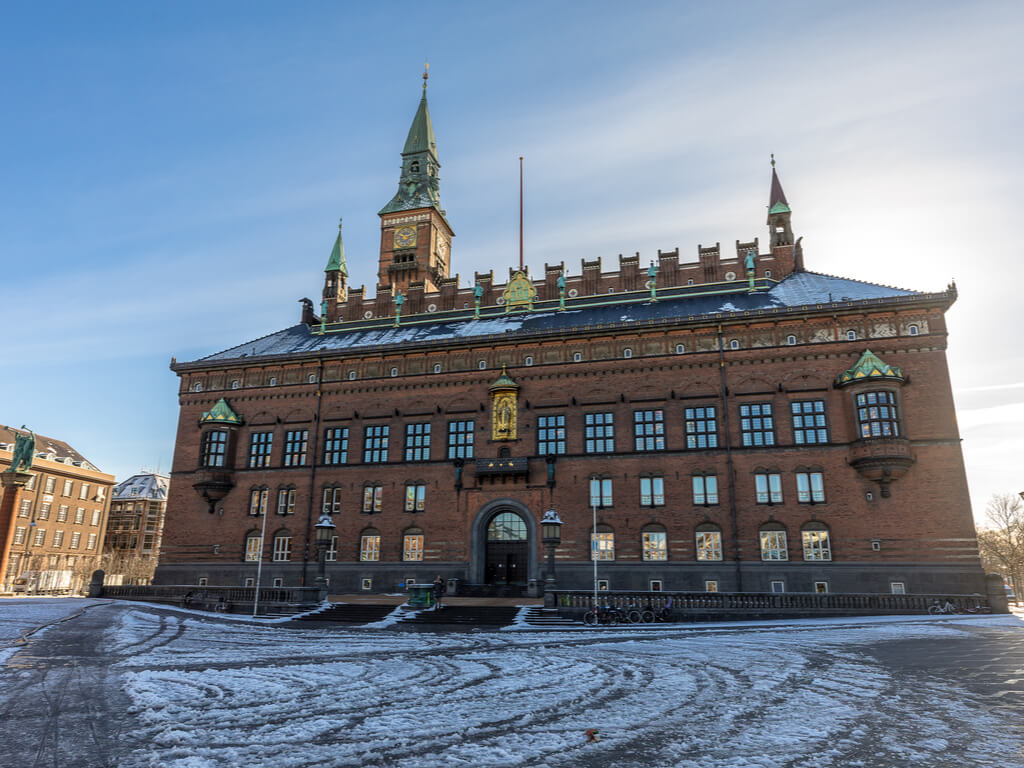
{"x": 796, "y": 291}
{"x": 45, "y": 446}
{"x": 144, "y": 486}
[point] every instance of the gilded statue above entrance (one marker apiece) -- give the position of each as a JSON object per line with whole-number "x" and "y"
{"x": 504, "y": 408}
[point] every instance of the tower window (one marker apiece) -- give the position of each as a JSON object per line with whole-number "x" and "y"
{"x": 528, "y": 360}
{"x": 912, "y": 329}
{"x": 272, "y": 382}
{"x": 680, "y": 349}
{"x": 351, "y": 375}
{"x": 791, "y": 340}
{"x": 577, "y": 357}
{"x": 627, "y": 353}
{"x": 437, "y": 367}
{"x": 394, "y": 371}
{"x": 414, "y": 166}
{"x": 482, "y": 365}
{"x": 234, "y": 383}
{"x": 734, "y": 344}
{"x": 851, "y": 335}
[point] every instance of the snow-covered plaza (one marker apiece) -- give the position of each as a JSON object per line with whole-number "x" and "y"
{"x": 127, "y": 685}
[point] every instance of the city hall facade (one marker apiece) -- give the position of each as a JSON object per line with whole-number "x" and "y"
{"x": 734, "y": 422}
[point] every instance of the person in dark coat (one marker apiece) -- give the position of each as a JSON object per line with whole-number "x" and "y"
{"x": 438, "y": 591}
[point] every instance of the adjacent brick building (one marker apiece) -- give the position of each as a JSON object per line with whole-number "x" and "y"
{"x": 135, "y": 528}
{"x": 54, "y": 537}
{"x": 737, "y": 423}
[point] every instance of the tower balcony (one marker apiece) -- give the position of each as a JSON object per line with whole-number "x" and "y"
{"x": 882, "y": 460}
{"x": 213, "y": 485}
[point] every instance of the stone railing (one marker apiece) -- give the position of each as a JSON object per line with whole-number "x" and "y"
{"x": 233, "y": 599}
{"x": 705, "y": 605}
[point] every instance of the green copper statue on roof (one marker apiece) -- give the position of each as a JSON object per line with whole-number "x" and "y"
{"x": 418, "y": 186}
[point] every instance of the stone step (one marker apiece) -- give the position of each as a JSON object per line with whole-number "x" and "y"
{"x": 366, "y": 613}
{"x": 492, "y": 616}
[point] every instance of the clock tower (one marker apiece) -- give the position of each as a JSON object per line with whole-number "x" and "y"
{"x": 415, "y": 237}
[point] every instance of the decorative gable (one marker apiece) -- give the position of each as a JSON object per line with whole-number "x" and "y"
{"x": 221, "y": 413}
{"x": 870, "y": 367}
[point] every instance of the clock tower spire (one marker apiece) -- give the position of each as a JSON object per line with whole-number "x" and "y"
{"x": 415, "y": 236}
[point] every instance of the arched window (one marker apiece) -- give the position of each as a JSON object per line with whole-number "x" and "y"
{"x": 791, "y": 339}
{"x": 602, "y": 543}
{"x": 394, "y": 371}
{"x": 817, "y": 545}
{"x": 767, "y": 273}
{"x": 506, "y": 526}
{"x": 282, "y": 546}
{"x": 253, "y": 545}
{"x": 482, "y": 365}
{"x": 272, "y": 382}
{"x": 654, "y": 542}
{"x": 528, "y": 360}
{"x": 709, "y": 542}
{"x": 351, "y": 375}
{"x": 258, "y": 500}
{"x": 577, "y": 356}
{"x": 412, "y": 545}
{"x": 851, "y": 335}
{"x": 311, "y": 378}
{"x": 198, "y": 387}
{"x": 234, "y": 383}
{"x": 414, "y": 166}
{"x": 627, "y": 353}
{"x": 773, "y": 542}
{"x": 286, "y": 500}
{"x": 369, "y": 545}
{"x": 680, "y": 349}
{"x": 734, "y": 343}
{"x": 912, "y": 329}
{"x": 437, "y": 367}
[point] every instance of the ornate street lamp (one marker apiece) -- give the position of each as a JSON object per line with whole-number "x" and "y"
{"x": 324, "y": 534}
{"x": 551, "y": 537}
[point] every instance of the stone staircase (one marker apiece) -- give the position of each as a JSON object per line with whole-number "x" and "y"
{"x": 465, "y": 615}
{"x": 547, "y": 618}
{"x": 346, "y": 613}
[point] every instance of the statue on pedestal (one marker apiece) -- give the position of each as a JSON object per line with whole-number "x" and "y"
{"x": 24, "y": 451}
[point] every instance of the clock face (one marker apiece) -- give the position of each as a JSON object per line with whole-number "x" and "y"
{"x": 405, "y": 237}
{"x": 442, "y": 246}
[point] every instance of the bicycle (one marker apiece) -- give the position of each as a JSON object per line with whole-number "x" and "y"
{"x": 937, "y": 608}
{"x": 603, "y": 615}
{"x": 641, "y": 615}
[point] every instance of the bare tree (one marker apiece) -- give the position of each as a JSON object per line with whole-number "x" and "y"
{"x": 1002, "y": 546}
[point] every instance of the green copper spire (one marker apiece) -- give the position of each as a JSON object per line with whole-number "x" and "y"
{"x": 337, "y": 261}
{"x": 418, "y": 185}
{"x": 870, "y": 367}
{"x": 221, "y": 413}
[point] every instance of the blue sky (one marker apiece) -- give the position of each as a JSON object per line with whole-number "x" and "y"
{"x": 173, "y": 174}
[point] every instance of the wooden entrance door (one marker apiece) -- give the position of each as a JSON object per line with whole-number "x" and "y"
{"x": 507, "y": 552}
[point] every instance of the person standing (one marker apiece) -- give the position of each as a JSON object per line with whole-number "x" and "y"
{"x": 438, "y": 591}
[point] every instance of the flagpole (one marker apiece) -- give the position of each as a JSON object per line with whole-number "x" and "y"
{"x": 593, "y": 550}
{"x": 520, "y": 214}
{"x": 259, "y": 563}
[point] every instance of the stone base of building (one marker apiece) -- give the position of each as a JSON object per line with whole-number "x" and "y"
{"x": 840, "y": 578}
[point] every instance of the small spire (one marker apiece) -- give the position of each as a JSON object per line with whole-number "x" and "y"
{"x": 336, "y": 262}
{"x": 426, "y": 75}
{"x": 777, "y": 202}
{"x": 773, "y": 160}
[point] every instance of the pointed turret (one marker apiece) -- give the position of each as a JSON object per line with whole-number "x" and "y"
{"x": 418, "y": 185}
{"x": 778, "y": 213}
{"x": 335, "y": 276}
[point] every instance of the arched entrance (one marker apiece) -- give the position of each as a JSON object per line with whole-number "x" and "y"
{"x": 504, "y": 539}
{"x": 506, "y": 554}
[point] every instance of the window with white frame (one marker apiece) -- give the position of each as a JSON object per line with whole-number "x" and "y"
{"x": 83, "y": 492}
{"x": 331, "y": 501}
{"x": 602, "y": 544}
{"x": 332, "y": 550}
{"x": 76, "y": 538}
{"x": 95, "y": 520}
{"x": 25, "y": 508}
{"x": 412, "y": 545}
{"x": 19, "y": 534}
{"x": 335, "y": 445}
{"x": 91, "y": 541}
{"x": 39, "y": 538}
{"x": 79, "y": 515}
{"x": 415, "y": 497}
{"x": 599, "y": 432}
{"x": 68, "y": 488}
{"x": 708, "y": 542}
{"x": 897, "y": 587}
{"x": 816, "y": 542}
{"x": 773, "y": 543}
{"x": 58, "y": 538}
{"x": 851, "y": 335}
{"x": 705, "y": 489}
{"x": 654, "y": 543}
{"x": 600, "y": 491}
{"x": 810, "y": 487}
{"x": 710, "y": 585}
{"x": 296, "y": 443}
{"x": 44, "y": 510}
{"x": 768, "y": 486}
{"x": 821, "y": 587}
{"x": 51, "y": 483}
{"x": 877, "y": 415}
{"x": 369, "y": 546}
{"x": 62, "y": 513}
{"x": 258, "y": 501}
{"x": 373, "y": 498}
{"x": 282, "y": 549}
{"x": 652, "y": 491}
{"x": 417, "y": 441}
{"x": 260, "y": 446}
{"x": 253, "y": 546}
{"x": 778, "y": 586}
{"x": 912, "y": 329}
{"x": 791, "y": 339}
{"x": 286, "y": 501}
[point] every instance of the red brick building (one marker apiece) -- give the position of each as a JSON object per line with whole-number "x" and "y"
{"x": 737, "y": 422}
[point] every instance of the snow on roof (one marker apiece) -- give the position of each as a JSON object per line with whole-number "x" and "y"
{"x": 143, "y": 486}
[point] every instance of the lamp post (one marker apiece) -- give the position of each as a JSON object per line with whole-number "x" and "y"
{"x": 324, "y": 534}
{"x": 551, "y": 537}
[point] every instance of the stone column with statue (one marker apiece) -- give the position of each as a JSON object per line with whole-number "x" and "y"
{"x": 13, "y": 479}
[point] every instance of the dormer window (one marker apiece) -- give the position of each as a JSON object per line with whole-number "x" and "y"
{"x": 791, "y": 340}
{"x": 851, "y": 335}
{"x": 912, "y": 329}
{"x": 414, "y": 166}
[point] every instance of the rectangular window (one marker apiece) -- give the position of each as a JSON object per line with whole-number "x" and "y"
{"x": 810, "y": 487}
{"x": 655, "y": 546}
{"x": 709, "y": 545}
{"x": 602, "y": 546}
{"x": 897, "y": 587}
{"x": 876, "y": 415}
{"x": 76, "y": 537}
{"x": 599, "y": 433}
{"x": 821, "y": 587}
{"x": 258, "y": 501}
{"x": 460, "y": 439}
{"x": 148, "y": 541}
{"x": 778, "y": 586}
{"x": 710, "y": 586}
{"x": 79, "y": 515}
{"x": 412, "y": 548}
{"x": 417, "y": 442}
{"x": 249, "y": 582}
{"x": 652, "y": 491}
{"x": 649, "y": 430}
{"x": 296, "y": 441}
{"x": 332, "y": 550}
{"x": 214, "y": 447}
{"x": 550, "y": 435}
{"x": 602, "y": 585}
{"x": 253, "y": 548}
{"x": 773, "y": 545}
{"x": 19, "y": 535}
{"x": 415, "y": 497}
{"x": 44, "y": 511}
{"x": 769, "y": 488}
{"x": 331, "y": 501}
{"x": 95, "y": 517}
{"x": 286, "y": 501}
{"x": 705, "y": 489}
{"x": 373, "y": 497}
{"x": 58, "y": 538}
{"x": 336, "y": 445}
{"x": 260, "y": 446}
{"x": 366, "y": 584}
{"x": 83, "y": 492}
{"x": 62, "y": 513}
{"x": 701, "y": 427}
{"x": 278, "y": 582}
{"x": 282, "y": 549}
{"x": 757, "y": 426}
{"x": 31, "y": 484}
{"x": 25, "y": 508}
{"x": 91, "y": 541}
{"x": 68, "y": 487}
{"x": 369, "y": 549}
{"x": 816, "y": 545}
{"x": 51, "y": 483}
{"x": 654, "y": 585}
{"x": 600, "y": 491}
{"x": 809, "y": 426}
{"x": 375, "y": 443}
